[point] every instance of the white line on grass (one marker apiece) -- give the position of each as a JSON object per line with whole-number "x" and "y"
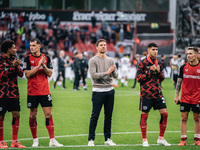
{"x": 120, "y": 145}
{"x": 61, "y": 136}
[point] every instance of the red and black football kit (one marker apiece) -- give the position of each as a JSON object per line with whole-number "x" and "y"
{"x": 38, "y": 91}
{"x": 38, "y": 85}
{"x": 150, "y": 93}
{"x": 9, "y": 92}
{"x": 190, "y": 94}
{"x": 150, "y": 89}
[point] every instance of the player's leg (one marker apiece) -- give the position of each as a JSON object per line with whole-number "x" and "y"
{"x": 97, "y": 102}
{"x": 15, "y": 129}
{"x": 46, "y": 103}
{"x": 108, "y": 110}
{"x": 185, "y": 109}
{"x": 163, "y": 125}
{"x": 33, "y": 126}
{"x": 3, "y": 144}
{"x": 184, "y": 118}
{"x": 160, "y": 104}
{"x": 3, "y": 105}
{"x": 32, "y": 103}
{"x": 196, "y": 117}
{"x": 145, "y": 107}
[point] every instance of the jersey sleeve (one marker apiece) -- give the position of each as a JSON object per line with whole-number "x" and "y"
{"x": 49, "y": 64}
{"x": 180, "y": 75}
{"x": 26, "y": 65}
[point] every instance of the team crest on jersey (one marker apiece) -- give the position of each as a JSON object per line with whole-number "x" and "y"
{"x": 198, "y": 70}
{"x": 32, "y": 61}
{"x": 186, "y": 69}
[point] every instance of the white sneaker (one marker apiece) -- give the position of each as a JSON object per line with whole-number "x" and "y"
{"x": 110, "y": 142}
{"x": 55, "y": 143}
{"x": 35, "y": 142}
{"x": 163, "y": 142}
{"x": 145, "y": 144}
{"x": 91, "y": 143}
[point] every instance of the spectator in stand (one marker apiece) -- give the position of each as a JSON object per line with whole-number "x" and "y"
{"x": 93, "y": 20}
{"x": 50, "y": 20}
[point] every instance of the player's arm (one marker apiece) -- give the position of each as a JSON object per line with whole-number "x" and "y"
{"x": 178, "y": 85}
{"x": 4, "y": 72}
{"x": 160, "y": 72}
{"x": 27, "y": 68}
{"x": 48, "y": 68}
{"x": 178, "y": 89}
{"x": 143, "y": 76}
{"x": 16, "y": 64}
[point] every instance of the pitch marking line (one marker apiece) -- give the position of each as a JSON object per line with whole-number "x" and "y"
{"x": 119, "y": 145}
{"x": 77, "y": 135}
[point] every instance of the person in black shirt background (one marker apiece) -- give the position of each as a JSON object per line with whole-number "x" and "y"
{"x": 61, "y": 68}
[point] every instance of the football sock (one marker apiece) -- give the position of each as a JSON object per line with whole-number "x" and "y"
{"x": 1, "y": 129}
{"x": 163, "y": 124}
{"x": 183, "y": 137}
{"x": 143, "y": 125}
{"x": 197, "y": 137}
{"x": 15, "y": 128}
{"x": 33, "y": 127}
{"x": 50, "y": 127}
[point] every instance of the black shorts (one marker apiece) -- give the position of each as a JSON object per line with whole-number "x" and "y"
{"x": 9, "y": 104}
{"x": 44, "y": 100}
{"x": 147, "y": 104}
{"x": 185, "y": 107}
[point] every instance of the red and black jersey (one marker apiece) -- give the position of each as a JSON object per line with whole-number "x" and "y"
{"x": 38, "y": 83}
{"x": 8, "y": 78}
{"x": 149, "y": 80}
{"x": 190, "y": 84}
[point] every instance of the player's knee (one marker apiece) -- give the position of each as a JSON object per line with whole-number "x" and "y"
{"x": 16, "y": 115}
{"x": 184, "y": 119}
{"x": 48, "y": 115}
{"x": 196, "y": 119}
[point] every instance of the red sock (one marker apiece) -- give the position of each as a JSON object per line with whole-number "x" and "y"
{"x": 143, "y": 125}
{"x": 50, "y": 127}
{"x": 33, "y": 127}
{"x": 163, "y": 124}
{"x": 1, "y": 129}
{"x": 15, "y": 128}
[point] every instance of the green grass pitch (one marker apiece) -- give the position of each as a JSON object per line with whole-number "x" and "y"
{"x": 71, "y": 115}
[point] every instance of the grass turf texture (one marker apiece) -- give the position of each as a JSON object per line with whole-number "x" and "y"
{"x": 71, "y": 115}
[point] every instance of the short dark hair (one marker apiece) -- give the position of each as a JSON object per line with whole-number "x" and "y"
{"x": 100, "y": 40}
{"x": 6, "y": 44}
{"x": 194, "y": 48}
{"x": 37, "y": 40}
{"x": 152, "y": 45}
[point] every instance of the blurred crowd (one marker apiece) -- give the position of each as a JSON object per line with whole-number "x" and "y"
{"x": 56, "y": 36}
{"x": 188, "y": 27}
